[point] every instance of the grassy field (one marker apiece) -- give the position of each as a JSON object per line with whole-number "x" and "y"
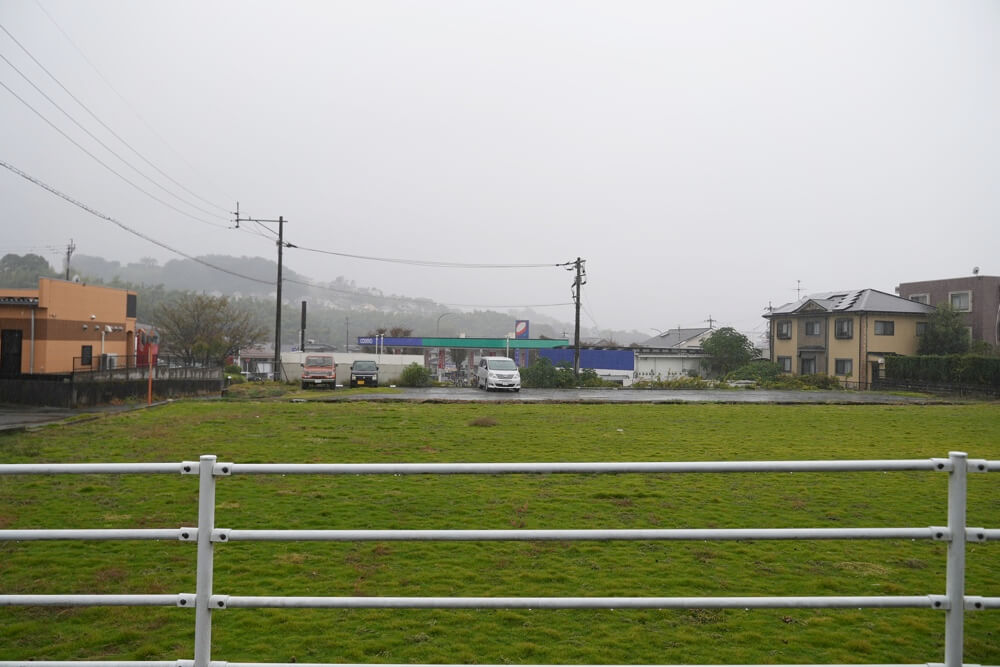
{"x": 249, "y": 431}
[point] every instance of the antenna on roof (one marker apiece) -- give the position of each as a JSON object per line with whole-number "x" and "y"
{"x": 975, "y": 270}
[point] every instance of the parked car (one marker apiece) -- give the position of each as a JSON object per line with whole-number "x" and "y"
{"x": 498, "y": 373}
{"x": 319, "y": 370}
{"x": 364, "y": 373}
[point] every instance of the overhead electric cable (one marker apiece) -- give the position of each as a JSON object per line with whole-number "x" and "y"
{"x": 596, "y": 325}
{"x": 122, "y": 225}
{"x": 429, "y": 263}
{"x": 132, "y": 109}
{"x": 106, "y": 166}
{"x": 106, "y": 127}
{"x": 363, "y": 295}
{"x": 104, "y": 145}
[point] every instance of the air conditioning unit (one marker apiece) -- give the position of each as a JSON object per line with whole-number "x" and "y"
{"x": 109, "y": 361}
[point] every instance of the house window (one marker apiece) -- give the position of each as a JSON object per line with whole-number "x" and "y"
{"x": 885, "y": 328}
{"x": 786, "y": 364}
{"x": 844, "y": 328}
{"x": 961, "y": 301}
{"x": 86, "y": 355}
{"x": 784, "y": 329}
{"x": 843, "y": 366}
{"x": 921, "y": 298}
{"x": 921, "y": 328}
{"x": 812, "y": 328}
{"x": 807, "y": 366}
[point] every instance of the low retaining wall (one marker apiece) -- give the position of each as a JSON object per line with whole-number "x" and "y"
{"x": 85, "y": 390}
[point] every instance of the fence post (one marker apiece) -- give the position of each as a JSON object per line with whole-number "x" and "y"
{"x": 955, "y": 586}
{"x": 206, "y": 524}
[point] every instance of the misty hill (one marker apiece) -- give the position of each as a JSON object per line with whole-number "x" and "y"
{"x": 337, "y": 310}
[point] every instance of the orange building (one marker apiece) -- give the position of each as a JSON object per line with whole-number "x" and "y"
{"x": 64, "y": 326}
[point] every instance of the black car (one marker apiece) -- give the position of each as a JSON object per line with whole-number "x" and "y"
{"x": 364, "y": 374}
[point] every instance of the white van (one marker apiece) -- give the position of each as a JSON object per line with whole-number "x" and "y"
{"x": 498, "y": 373}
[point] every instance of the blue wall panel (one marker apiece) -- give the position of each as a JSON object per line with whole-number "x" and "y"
{"x": 615, "y": 360}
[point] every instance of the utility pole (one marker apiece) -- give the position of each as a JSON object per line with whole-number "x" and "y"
{"x": 69, "y": 253}
{"x": 277, "y": 310}
{"x": 578, "y": 281}
{"x": 302, "y": 331}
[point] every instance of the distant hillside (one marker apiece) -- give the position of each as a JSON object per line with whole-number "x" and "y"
{"x": 335, "y": 311}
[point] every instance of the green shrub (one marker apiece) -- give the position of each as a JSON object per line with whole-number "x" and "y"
{"x": 686, "y": 382}
{"x": 235, "y": 378}
{"x": 415, "y": 375}
{"x": 966, "y": 369}
{"x": 233, "y": 369}
{"x": 761, "y": 372}
{"x": 820, "y": 381}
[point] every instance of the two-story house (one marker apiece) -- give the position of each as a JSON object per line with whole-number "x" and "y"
{"x": 845, "y": 334}
{"x": 976, "y": 297}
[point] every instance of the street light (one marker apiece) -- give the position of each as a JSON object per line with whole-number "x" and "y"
{"x": 437, "y": 330}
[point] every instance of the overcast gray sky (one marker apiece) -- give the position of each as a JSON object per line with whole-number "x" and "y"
{"x": 702, "y": 156}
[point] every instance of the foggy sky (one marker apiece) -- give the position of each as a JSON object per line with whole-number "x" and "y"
{"x": 701, "y": 156}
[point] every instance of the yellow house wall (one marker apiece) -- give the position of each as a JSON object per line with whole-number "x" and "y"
{"x": 904, "y": 339}
{"x": 64, "y": 309}
{"x": 782, "y": 347}
{"x": 863, "y": 342}
{"x": 844, "y": 348}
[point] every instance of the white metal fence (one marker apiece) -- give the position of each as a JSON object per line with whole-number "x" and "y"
{"x": 204, "y": 601}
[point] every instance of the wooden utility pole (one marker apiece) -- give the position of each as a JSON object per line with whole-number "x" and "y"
{"x": 69, "y": 253}
{"x": 277, "y": 309}
{"x": 578, "y": 281}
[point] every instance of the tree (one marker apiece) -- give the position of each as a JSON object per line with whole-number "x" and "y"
{"x": 18, "y": 271}
{"x": 728, "y": 349}
{"x": 205, "y": 329}
{"x": 946, "y": 333}
{"x": 415, "y": 375}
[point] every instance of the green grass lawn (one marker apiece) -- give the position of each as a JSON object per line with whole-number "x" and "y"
{"x": 247, "y": 431}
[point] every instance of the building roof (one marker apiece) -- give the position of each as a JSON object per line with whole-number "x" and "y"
{"x": 672, "y": 338}
{"x": 852, "y": 301}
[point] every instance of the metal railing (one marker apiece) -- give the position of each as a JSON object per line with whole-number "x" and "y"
{"x": 204, "y": 601}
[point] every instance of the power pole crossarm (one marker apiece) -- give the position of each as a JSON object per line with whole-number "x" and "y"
{"x": 277, "y": 309}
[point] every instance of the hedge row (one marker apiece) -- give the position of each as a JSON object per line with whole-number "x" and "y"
{"x": 947, "y": 369}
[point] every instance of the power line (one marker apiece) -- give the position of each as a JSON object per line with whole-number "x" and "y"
{"x": 362, "y": 295}
{"x": 521, "y": 305}
{"x": 105, "y": 165}
{"x": 163, "y": 245}
{"x": 122, "y": 225}
{"x": 98, "y": 140}
{"x": 428, "y": 263}
{"x": 131, "y": 108}
{"x": 106, "y": 127}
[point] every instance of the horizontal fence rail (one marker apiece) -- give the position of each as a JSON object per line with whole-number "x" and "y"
{"x": 954, "y": 602}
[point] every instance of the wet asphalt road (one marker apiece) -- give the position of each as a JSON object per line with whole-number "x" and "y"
{"x": 453, "y": 394}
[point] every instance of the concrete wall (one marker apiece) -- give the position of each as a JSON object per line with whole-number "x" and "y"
{"x": 651, "y": 366}
{"x": 390, "y": 366}
{"x": 65, "y": 392}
